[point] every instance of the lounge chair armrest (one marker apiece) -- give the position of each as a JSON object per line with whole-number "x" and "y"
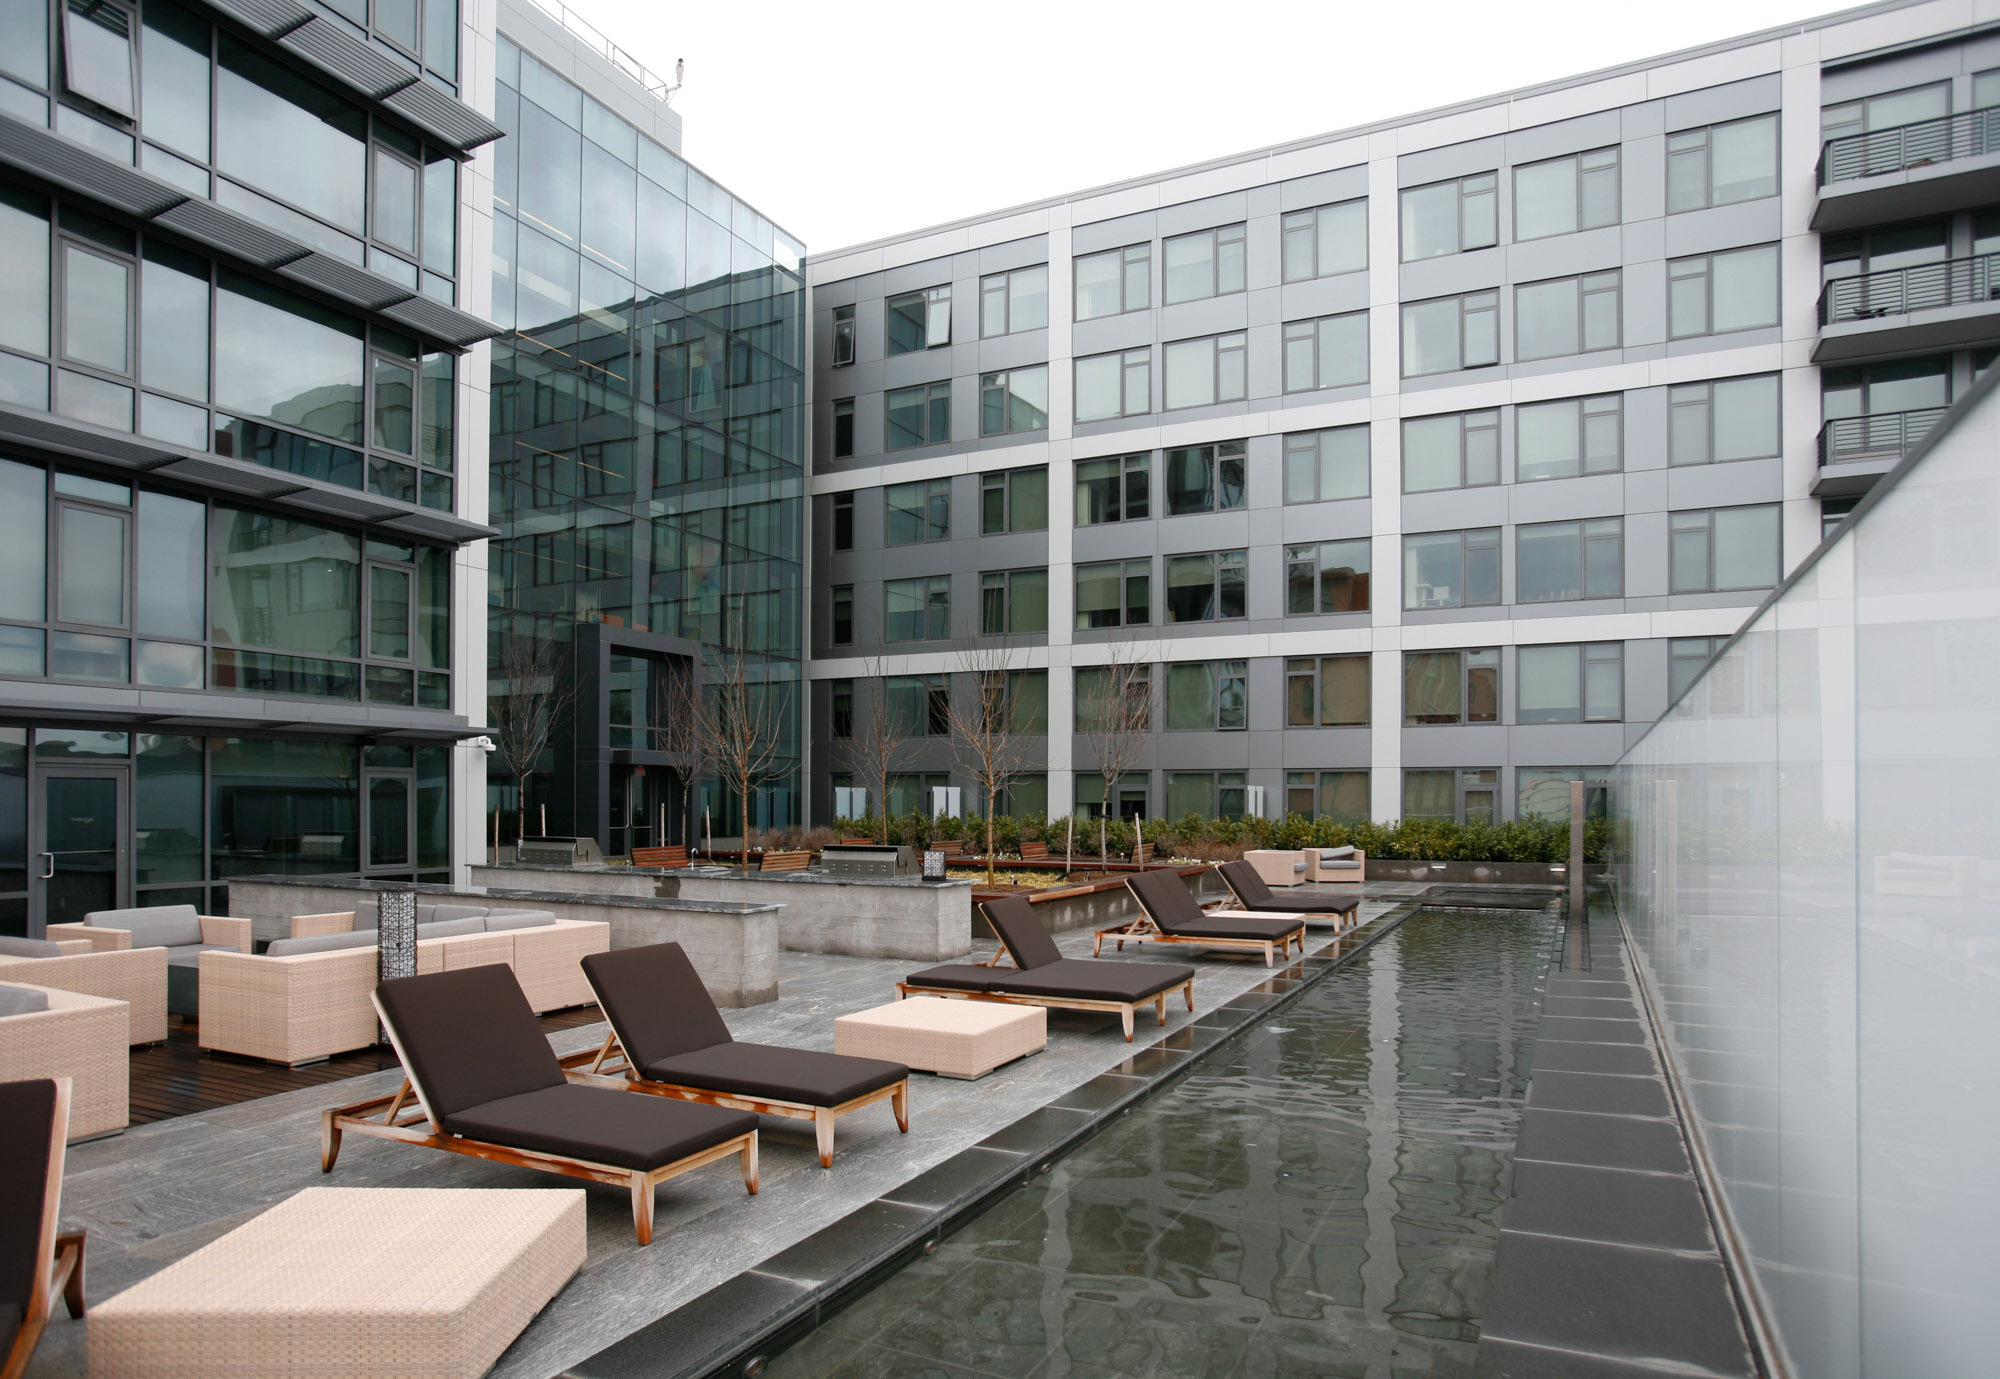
{"x": 229, "y": 930}
{"x": 312, "y": 926}
{"x": 71, "y": 947}
{"x": 101, "y": 940}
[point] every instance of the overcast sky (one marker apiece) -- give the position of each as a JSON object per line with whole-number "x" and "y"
{"x": 846, "y": 122}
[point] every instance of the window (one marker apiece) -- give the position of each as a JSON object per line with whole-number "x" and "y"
{"x": 1326, "y": 692}
{"x": 1570, "y": 684}
{"x": 843, "y": 336}
{"x": 1341, "y": 796}
{"x": 1210, "y": 794}
{"x": 1451, "y": 686}
{"x": 1114, "y": 385}
{"x": 1013, "y": 601}
{"x": 1724, "y": 548}
{"x": 97, "y": 54}
{"x": 1832, "y": 512}
{"x": 1321, "y": 466}
{"x": 1986, "y": 89}
{"x": 1016, "y": 400}
{"x": 1014, "y": 500}
{"x": 918, "y": 705}
{"x": 1578, "y": 435}
{"x": 911, "y": 792}
{"x": 1115, "y": 489}
{"x": 919, "y": 320}
{"x": 843, "y": 521}
{"x": 1461, "y": 450}
{"x": 1208, "y": 263}
{"x": 1452, "y": 569}
{"x": 1114, "y": 282}
{"x": 1451, "y": 217}
{"x": 1722, "y": 164}
{"x": 919, "y": 415}
{"x": 1208, "y": 696}
{"x": 843, "y": 615}
{"x": 1570, "y": 560}
{"x": 1713, "y": 293}
{"x": 1564, "y": 195}
{"x": 1911, "y": 105}
{"x": 1726, "y": 419}
{"x": 1881, "y": 251}
{"x": 1015, "y": 301}
{"x": 1327, "y": 577}
{"x": 1325, "y": 240}
{"x": 1567, "y": 316}
{"x": 1205, "y": 478}
{"x": 916, "y": 512}
{"x": 1331, "y": 352}
{"x": 1465, "y": 796}
{"x": 843, "y": 426}
{"x": 1134, "y": 790}
{"x": 1023, "y": 702}
{"x": 1095, "y": 687}
{"x": 1450, "y": 333}
{"x": 1206, "y": 371}
{"x": 1207, "y": 587}
{"x": 1114, "y": 593}
{"x": 843, "y": 708}
{"x": 1687, "y": 657}
{"x": 1903, "y": 385}
{"x": 1543, "y": 791}
{"x": 917, "y": 610}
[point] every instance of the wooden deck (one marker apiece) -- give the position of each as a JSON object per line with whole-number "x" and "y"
{"x": 177, "y": 1079}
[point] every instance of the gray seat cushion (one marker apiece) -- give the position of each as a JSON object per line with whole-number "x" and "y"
{"x": 189, "y": 954}
{"x": 11, "y": 947}
{"x": 444, "y": 914}
{"x": 1347, "y": 865}
{"x": 22, "y": 1000}
{"x": 497, "y": 920}
{"x": 452, "y": 928}
{"x": 156, "y": 926}
{"x": 364, "y": 914}
{"x": 1298, "y": 868}
{"x": 320, "y": 943}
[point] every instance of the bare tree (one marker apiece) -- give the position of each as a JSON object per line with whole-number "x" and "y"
{"x": 533, "y": 691}
{"x": 1115, "y": 716}
{"x": 678, "y": 732}
{"x": 983, "y": 732}
{"x": 878, "y": 743}
{"x": 740, "y": 722}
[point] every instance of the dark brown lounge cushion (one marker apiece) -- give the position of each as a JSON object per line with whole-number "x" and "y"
{"x": 1178, "y": 914}
{"x": 954, "y": 976}
{"x": 27, "y": 1126}
{"x": 1220, "y": 926}
{"x": 1250, "y": 889}
{"x": 777, "y": 1074}
{"x": 1014, "y": 920}
{"x": 1093, "y": 980}
{"x": 623, "y": 1129}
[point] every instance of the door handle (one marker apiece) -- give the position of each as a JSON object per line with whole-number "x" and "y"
{"x": 50, "y": 873}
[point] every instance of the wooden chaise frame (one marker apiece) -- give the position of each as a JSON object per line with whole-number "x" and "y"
{"x": 400, "y": 1120}
{"x": 1145, "y": 930}
{"x": 1342, "y": 918}
{"x": 58, "y": 1258}
{"x": 1124, "y": 1010}
{"x": 611, "y": 1059}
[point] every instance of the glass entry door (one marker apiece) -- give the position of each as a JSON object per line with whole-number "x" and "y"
{"x": 82, "y": 861}
{"x": 390, "y": 828}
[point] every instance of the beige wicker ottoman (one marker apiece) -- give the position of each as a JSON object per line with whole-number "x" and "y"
{"x": 1278, "y": 866}
{"x": 950, "y": 1037}
{"x": 373, "y": 1283}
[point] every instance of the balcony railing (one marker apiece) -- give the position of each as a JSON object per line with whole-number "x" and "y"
{"x": 1967, "y": 135}
{"x": 1953, "y": 282}
{"x": 1876, "y": 435}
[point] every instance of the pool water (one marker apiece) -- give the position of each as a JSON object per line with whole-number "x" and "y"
{"x": 1319, "y": 1196}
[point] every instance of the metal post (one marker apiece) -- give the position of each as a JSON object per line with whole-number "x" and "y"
{"x": 1577, "y": 792}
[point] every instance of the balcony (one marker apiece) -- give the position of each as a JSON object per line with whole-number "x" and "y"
{"x": 1931, "y": 167}
{"x": 1856, "y": 451}
{"x": 1931, "y": 306}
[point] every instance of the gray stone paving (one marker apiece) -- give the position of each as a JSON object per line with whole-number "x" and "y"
{"x": 161, "y": 1191}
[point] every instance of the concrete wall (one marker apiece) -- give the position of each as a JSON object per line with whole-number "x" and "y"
{"x": 823, "y": 915}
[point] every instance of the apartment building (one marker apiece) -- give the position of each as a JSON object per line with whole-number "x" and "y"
{"x": 1423, "y": 463}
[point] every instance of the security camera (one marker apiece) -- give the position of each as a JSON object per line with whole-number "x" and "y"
{"x": 484, "y": 744}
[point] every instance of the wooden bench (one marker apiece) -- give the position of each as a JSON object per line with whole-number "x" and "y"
{"x": 950, "y": 847}
{"x": 1142, "y": 854}
{"x": 785, "y": 861}
{"x": 659, "y": 857}
{"x": 1034, "y": 852}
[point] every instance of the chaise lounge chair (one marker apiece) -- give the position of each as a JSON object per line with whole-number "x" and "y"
{"x": 487, "y": 1082}
{"x": 1253, "y": 893}
{"x": 671, "y": 1040}
{"x": 1173, "y": 916}
{"x": 35, "y": 1262}
{"x": 1042, "y": 976}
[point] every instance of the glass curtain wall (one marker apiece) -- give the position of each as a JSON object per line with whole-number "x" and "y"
{"x": 648, "y": 438}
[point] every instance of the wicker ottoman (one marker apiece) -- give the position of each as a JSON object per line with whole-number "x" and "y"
{"x": 351, "y": 1281}
{"x": 949, "y": 1037}
{"x": 1278, "y": 866}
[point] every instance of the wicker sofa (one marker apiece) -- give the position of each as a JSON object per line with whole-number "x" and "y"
{"x": 136, "y": 976}
{"x": 184, "y": 935}
{"x": 82, "y": 1038}
{"x": 548, "y": 952}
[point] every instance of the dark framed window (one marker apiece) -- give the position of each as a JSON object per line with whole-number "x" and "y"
{"x": 1342, "y": 796}
{"x": 1560, "y": 196}
{"x": 1446, "y": 334}
{"x": 1322, "y": 466}
{"x": 843, "y": 336}
{"x": 1451, "y": 217}
{"x": 1014, "y": 400}
{"x": 1207, "y": 370}
{"x": 843, "y": 427}
{"x": 1327, "y": 692}
{"x": 1205, "y": 478}
{"x": 917, "y": 610}
{"x": 1013, "y": 601}
{"x": 1208, "y": 587}
{"x": 1574, "y": 683}
{"x": 843, "y": 521}
{"x": 1117, "y": 488}
{"x": 1325, "y": 240}
{"x": 1012, "y": 500}
{"x": 1713, "y": 294}
{"x": 918, "y": 416}
{"x": 1457, "y": 450}
{"x": 1722, "y": 164}
{"x": 1114, "y": 281}
{"x": 917, "y": 512}
{"x": 1328, "y": 577}
{"x": 1568, "y": 315}
{"x": 1723, "y": 419}
{"x": 1451, "y": 569}
{"x": 1555, "y": 561}
{"x": 1014, "y": 301}
{"x": 1330, "y": 352}
{"x": 1451, "y": 686}
{"x": 1206, "y": 263}
{"x": 1109, "y": 386}
{"x": 1114, "y": 593}
{"x": 1568, "y": 437}
{"x": 843, "y": 615}
{"x": 1208, "y": 696}
{"x": 1718, "y": 549}
{"x": 918, "y": 320}
{"x": 843, "y": 708}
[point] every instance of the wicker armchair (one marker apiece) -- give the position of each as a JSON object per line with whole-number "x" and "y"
{"x": 136, "y": 976}
{"x": 548, "y": 961}
{"x": 228, "y": 931}
{"x": 82, "y": 1038}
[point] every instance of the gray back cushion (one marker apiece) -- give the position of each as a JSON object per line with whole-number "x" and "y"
{"x": 451, "y": 928}
{"x": 11, "y": 947}
{"x": 438, "y": 914}
{"x": 156, "y": 926}
{"x": 496, "y": 920}
{"x": 22, "y": 1000}
{"x": 320, "y": 943}
{"x": 1336, "y": 854}
{"x": 364, "y": 914}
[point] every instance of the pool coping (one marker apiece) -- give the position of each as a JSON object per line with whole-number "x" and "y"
{"x": 732, "y": 1328}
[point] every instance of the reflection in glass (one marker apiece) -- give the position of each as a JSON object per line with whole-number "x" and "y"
{"x": 167, "y": 809}
{"x": 97, "y": 300}
{"x": 173, "y": 322}
{"x": 24, "y": 287}
{"x": 389, "y": 613}
{"x": 281, "y": 356}
{"x": 23, "y": 542}
{"x": 279, "y": 582}
{"x": 22, "y": 651}
{"x": 289, "y": 137}
{"x": 174, "y": 79}
{"x": 284, "y": 807}
{"x": 395, "y": 201}
{"x": 85, "y": 656}
{"x": 171, "y": 558}
{"x": 395, "y": 388}
{"x": 90, "y": 584}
